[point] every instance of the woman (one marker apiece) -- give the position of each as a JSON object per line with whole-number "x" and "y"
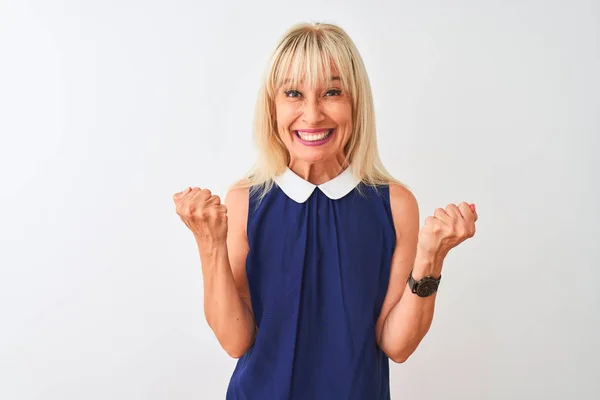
{"x": 316, "y": 273}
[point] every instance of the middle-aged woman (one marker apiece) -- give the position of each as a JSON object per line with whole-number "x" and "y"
{"x": 316, "y": 273}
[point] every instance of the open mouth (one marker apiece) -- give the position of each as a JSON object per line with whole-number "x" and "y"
{"x": 314, "y": 138}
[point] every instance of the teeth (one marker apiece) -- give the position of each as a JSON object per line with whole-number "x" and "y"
{"x": 312, "y": 137}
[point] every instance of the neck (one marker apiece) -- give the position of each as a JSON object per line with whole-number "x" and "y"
{"x": 318, "y": 172}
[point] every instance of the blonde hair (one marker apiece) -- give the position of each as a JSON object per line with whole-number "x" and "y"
{"x": 305, "y": 52}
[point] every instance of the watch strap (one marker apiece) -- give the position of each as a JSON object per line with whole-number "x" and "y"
{"x": 413, "y": 284}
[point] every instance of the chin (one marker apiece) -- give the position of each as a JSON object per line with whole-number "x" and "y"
{"x": 314, "y": 156}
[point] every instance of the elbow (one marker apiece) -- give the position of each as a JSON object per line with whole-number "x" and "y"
{"x": 236, "y": 342}
{"x": 239, "y": 347}
{"x": 234, "y": 347}
{"x": 399, "y": 358}
{"x": 234, "y": 352}
{"x": 398, "y": 355}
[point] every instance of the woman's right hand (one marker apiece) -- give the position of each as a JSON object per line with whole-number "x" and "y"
{"x": 203, "y": 213}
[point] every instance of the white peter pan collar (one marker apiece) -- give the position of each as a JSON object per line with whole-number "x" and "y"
{"x": 299, "y": 190}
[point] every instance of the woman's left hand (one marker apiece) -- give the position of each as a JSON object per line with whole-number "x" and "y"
{"x": 446, "y": 229}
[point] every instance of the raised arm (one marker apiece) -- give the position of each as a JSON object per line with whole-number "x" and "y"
{"x": 398, "y": 345}
{"x": 406, "y": 318}
{"x": 220, "y": 234}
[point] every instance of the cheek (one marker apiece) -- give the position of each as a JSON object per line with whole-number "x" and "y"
{"x": 286, "y": 114}
{"x": 343, "y": 118}
{"x": 339, "y": 110}
{"x": 342, "y": 115}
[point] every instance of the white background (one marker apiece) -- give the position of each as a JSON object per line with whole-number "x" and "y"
{"x": 109, "y": 107}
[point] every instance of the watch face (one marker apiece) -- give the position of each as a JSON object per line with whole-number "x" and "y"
{"x": 427, "y": 287}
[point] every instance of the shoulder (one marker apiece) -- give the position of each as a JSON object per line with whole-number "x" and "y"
{"x": 236, "y": 201}
{"x": 402, "y": 197}
{"x": 405, "y": 209}
{"x": 238, "y": 193}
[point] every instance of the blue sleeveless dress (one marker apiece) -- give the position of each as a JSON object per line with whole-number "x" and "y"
{"x": 318, "y": 270}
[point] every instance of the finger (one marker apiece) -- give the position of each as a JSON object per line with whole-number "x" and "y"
{"x": 202, "y": 195}
{"x": 189, "y": 194}
{"x": 472, "y": 207}
{"x": 177, "y": 196}
{"x": 185, "y": 198}
{"x": 453, "y": 211}
{"x": 214, "y": 200}
{"x": 465, "y": 211}
{"x": 443, "y": 216}
{"x": 440, "y": 212}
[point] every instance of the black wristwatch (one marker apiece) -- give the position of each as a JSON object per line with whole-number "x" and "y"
{"x": 425, "y": 287}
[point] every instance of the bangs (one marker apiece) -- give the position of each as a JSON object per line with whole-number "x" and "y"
{"x": 312, "y": 59}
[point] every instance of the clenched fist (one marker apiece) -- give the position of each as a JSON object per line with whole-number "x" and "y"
{"x": 447, "y": 228}
{"x": 203, "y": 214}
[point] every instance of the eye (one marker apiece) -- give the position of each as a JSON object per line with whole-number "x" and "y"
{"x": 292, "y": 93}
{"x": 333, "y": 92}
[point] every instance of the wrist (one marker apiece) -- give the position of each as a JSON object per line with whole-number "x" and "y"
{"x": 209, "y": 247}
{"x": 427, "y": 265}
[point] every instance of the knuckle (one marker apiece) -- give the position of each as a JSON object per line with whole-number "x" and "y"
{"x": 204, "y": 213}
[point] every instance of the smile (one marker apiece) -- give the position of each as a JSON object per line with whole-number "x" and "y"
{"x": 314, "y": 138}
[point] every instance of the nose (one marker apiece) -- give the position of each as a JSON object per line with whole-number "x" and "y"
{"x": 312, "y": 113}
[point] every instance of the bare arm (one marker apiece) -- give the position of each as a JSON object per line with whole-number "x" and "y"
{"x": 409, "y": 319}
{"x": 227, "y": 305}
{"x": 220, "y": 234}
{"x": 405, "y": 317}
